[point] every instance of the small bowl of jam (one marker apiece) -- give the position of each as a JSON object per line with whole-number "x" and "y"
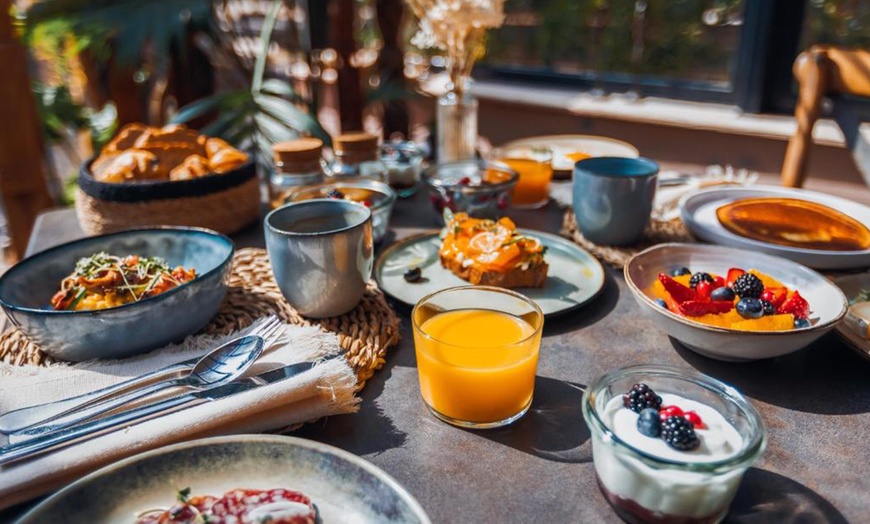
{"x": 481, "y": 188}
{"x": 370, "y": 193}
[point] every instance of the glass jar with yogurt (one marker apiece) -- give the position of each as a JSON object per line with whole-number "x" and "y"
{"x": 647, "y": 480}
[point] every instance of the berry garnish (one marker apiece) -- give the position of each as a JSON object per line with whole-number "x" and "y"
{"x": 670, "y": 411}
{"x": 732, "y": 275}
{"x": 464, "y": 181}
{"x": 750, "y": 308}
{"x": 680, "y": 292}
{"x": 748, "y": 285}
{"x": 662, "y": 303}
{"x": 413, "y": 275}
{"x": 800, "y": 323}
{"x": 722, "y": 293}
{"x": 698, "y": 278}
{"x": 679, "y": 433}
{"x": 641, "y": 397}
{"x": 796, "y": 305}
{"x": 768, "y": 307}
{"x": 775, "y": 295}
{"x": 718, "y": 282}
{"x": 703, "y": 290}
{"x": 694, "y": 418}
{"x": 648, "y": 423}
{"x": 696, "y": 308}
{"x": 680, "y": 271}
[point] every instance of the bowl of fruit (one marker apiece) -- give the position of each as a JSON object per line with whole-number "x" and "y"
{"x": 731, "y": 304}
{"x": 481, "y": 188}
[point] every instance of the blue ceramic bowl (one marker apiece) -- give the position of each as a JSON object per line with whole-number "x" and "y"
{"x": 123, "y": 331}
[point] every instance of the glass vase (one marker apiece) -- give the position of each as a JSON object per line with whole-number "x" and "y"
{"x": 456, "y": 126}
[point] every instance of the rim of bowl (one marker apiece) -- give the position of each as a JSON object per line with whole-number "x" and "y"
{"x": 317, "y": 202}
{"x": 747, "y": 455}
{"x": 178, "y": 229}
{"x": 430, "y": 176}
{"x": 651, "y": 167}
{"x": 372, "y": 185}
{"x": 844, "y": 306}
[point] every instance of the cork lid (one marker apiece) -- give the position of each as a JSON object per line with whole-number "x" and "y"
{"x": 356, "y": 141}
{"x": 298, "y": 150}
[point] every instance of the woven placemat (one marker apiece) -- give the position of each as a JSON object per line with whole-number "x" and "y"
{"x": 657, "y": 232}
{"x": 365, "y": 333}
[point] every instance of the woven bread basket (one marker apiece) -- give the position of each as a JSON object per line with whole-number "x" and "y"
{"x": 225, "y": 202}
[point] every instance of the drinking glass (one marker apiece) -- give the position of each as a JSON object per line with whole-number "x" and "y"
{"x": 477, "y": 354}
{"x": 535, "y": 167}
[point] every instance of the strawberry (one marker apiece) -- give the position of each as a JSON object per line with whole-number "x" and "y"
{"x": 703, "y": 290}
{"x": 775, "y": 295}
{"x": 733, "y": 273}
{"x": 696, "y": 308}
{"x": 718, "y": 282}
{"x": 679, "y": 292}
{"x": 795, "y": 304}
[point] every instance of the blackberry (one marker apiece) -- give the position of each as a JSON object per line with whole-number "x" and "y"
{"x": 679, "y": 433}
{"x": 748, "y": 285}
{"x": 698, "y": 278}
{"x": 640, "y": 397}
{"x": 768, "y": 307}
{"x": 648, "y": 423}
{"x": 334, "y": 193}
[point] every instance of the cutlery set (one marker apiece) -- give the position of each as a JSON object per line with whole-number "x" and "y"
{"x": 38, "y": 429}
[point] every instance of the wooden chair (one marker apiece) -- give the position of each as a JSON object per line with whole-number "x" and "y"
{"x": 827, "y": 71}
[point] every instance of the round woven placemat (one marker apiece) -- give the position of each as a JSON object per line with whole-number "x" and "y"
{"x": 657, "y": 232}
{"x": 365, "y": 333}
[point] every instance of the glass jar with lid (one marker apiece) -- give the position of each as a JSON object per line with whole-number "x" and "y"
{"x": 356, "y": 156}
{"x": 297, "y": 163}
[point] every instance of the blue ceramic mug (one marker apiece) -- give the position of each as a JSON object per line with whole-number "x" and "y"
{"x": 613, "y": 198}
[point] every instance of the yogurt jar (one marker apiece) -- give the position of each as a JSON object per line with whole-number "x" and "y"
{"x": 646, "y": 479}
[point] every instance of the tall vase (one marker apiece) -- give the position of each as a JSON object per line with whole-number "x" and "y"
{"x": 456, "y": 126}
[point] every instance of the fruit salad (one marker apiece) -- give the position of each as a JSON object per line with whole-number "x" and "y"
{"x": 742, "y": 299}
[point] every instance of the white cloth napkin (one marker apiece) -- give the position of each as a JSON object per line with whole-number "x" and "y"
{"x": 326, "y": 389}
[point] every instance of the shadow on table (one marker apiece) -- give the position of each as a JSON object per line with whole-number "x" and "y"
{"x": 794, "y": 381}
{"x": 768, "y": 497}
{"x": 553, "y": 428}
{"x": 588, "y": 314}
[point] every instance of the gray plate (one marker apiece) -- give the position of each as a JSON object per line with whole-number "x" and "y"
{"x": 344, "y": 487}
{"x": 575, "y": 276}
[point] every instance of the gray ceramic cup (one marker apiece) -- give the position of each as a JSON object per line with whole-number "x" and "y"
{"x": 613, "y": 198}
{"x": 321, "y": 254}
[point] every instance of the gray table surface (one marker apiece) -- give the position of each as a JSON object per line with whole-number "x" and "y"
{"x": 814, "y": 404}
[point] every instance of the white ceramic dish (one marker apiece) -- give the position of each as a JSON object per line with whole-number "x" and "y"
{"x": 827, "y": 303}
{"x": 343, "y": 487}
{"x": 850, "y": 328}
{"x": 563, "y": 145}
{"x": 698, "y": 211}
{"x": 574, "y": 278}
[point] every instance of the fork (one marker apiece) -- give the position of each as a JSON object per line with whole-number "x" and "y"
{"x": 24, "y": 418}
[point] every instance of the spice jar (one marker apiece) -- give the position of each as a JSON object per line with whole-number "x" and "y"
{"x": 356, "y": 156}
{"x": 297, "y": 163}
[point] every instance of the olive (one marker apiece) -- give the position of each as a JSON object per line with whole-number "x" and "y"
{"x": 413, "y": 275}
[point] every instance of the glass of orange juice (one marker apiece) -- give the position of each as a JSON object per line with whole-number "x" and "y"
{"x": 477, "y": 354}
{"x": 535, "y": 167}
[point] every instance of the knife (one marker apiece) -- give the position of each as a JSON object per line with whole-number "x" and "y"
{"x": 43, "y": 441}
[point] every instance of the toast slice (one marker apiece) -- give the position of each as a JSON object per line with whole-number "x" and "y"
{"x": 492, "y": 253}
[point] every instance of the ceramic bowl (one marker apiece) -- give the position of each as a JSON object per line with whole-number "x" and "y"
{"x": 481, "y": 188}
{"x": 123, "y": 331}
{"x": 827, "y": 303}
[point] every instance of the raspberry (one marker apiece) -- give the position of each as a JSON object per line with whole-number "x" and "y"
{"x": 679, "y": 433}
{"x": 641, "y": 397}
{"x": 697, "y": 278}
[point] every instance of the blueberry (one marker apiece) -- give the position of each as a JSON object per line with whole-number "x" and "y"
{"x": 768, "y": 307}
{"x": 680, "y": 271}
{"x": 662, "y": 303}
{"x": 723, "y": 293}
{"x": 749, "y": 307}
{"x": 800, "y": 323}
{"x": 649, "y": 423}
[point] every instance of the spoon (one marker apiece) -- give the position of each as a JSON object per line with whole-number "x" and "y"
{"x": 219, "y": 367}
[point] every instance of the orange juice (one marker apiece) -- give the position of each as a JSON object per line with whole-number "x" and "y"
{"x": 532, "y": 188}
{"x": 477, "y": 365}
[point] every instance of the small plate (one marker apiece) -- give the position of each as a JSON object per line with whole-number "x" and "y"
{"x": 699, "y": 214}
{"x": 563, "y": 145}
{"x": 848, "y": 329}
{"x": 574, "y": 278}
{"x": 344, "y": 487}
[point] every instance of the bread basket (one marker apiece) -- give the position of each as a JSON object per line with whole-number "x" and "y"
{"x": 225, "y": 202}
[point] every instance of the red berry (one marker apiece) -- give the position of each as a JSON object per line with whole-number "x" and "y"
{"x": 696, "y": 308}
{"x": 775, "y": 295}
{"x": 718, "y": 282}
{"x": 733, "y": 273}
{"x": 694, "y": 418}
{"x": 670, "y": 411}
{"x": 679, "y": 292}
{"x": 796, "y": 305}
{"x": 703, "y": 290}
{"x": 464, "y": 181}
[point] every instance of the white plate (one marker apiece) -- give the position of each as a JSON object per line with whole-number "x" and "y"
{"x": 698, "y": 212}
{"x": 563, "y": 145}
{"x": 343, "y": 487}
{"x": 574, "y": 278}
{"x": 848, "y": 329}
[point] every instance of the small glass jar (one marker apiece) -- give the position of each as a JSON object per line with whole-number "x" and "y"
{"x": 404, "y": 161}
{"x": 356, "y": 156}
{"x": 297, "y": 163}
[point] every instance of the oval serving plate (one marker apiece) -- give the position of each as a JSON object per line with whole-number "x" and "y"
{"x": 848, "y": 329}
{"x": 343, "y": 487}
{"x": 574, "y": 278}
{"x": 698, "y": 211}
{"x": 563, "y": 145}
